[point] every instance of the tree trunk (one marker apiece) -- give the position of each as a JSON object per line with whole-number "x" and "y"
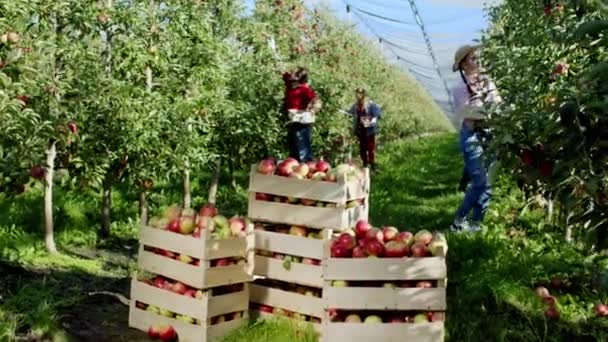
{"x": 143, "y": 208}
{"x": 568, "y": 232}
{"x": 49, "y": 237}
{"x": 106, "y": 209}
{"x": 231, "y": 170}
{"x": 187, "y": 188}
{"x": 215, "y": 181}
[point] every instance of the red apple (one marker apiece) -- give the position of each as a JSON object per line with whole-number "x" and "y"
{"x": 374, "y": 234}
{"x": 168, "y": 334}
{"x": 550, "y": 300}
{"x": 333, "y": 314}
{"x": 390, "y": 233}
{"x": 308, "y": 202}
{"x": 557, "y": 282}
{"x": 359, "y": 252}
{"x": 237, "y": 225}
{"x": 406, "y": 237}
{"x": 309, "y": 261}
{"x": 278, "y": 256}
{"x": 154, "y": 332}
{"x": 361, "y": 228}
{"x": 323, "y": 166}
{"x": 204, "y": 222}
{"x": 37, "y": 172}
{"x": 423, "y": 236}
{"x": 174, "y": 226}
{"x": 190, "y": 293}
{"x": 179, "y": 288}
{"x": 347, "y": 241}
{"x": 396, "y": 249}
{"x": 560, "y": 68}
{"x": 208, "y": 210}
{"x": 266, "y": 309}
{"x": 262, "y": 196}
{"x": 223, "y": 262}
{"x": 166, "y": 253}
{"x": 424, "y": 284}
{"x": 601, "y": 310}
{"x": 159, "y": 282}
{"x": 73, "y": 127}
{"x": 552, "y": 313}
{"x": 312, "y": 168}
{"x": 419, "y": 250}
{"x": 374, "y": 248}
{"x": 339, "y": 251}
{"x": 266, "y": 167}
{"x": 298, "y": 231}
{"x": 397, "y": 319}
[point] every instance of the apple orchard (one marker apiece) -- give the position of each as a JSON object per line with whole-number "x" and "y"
{"x": 100, "y": 95}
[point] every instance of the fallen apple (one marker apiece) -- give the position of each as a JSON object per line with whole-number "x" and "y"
{"x": 601, "y": 310}
{"x": 552, "y": 313}
{"x": 550, "y": 300}
{"x": 542, "y": 291}
{"x": 154, "y": 332}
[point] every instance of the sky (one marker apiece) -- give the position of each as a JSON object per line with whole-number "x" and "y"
{"x": 449, "y": 24}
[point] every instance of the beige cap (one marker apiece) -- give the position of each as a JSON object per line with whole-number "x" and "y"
{"x": 461, "y": 54}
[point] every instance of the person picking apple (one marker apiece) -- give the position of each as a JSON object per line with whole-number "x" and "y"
{"x": 366, "y": 114}
{"x": 472, "y": 98}
{"x": 300, "y": 97}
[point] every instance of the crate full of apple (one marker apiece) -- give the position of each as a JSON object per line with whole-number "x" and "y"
{"x": 202, "y": 250}
{"x": 310, "y": 194}
{"x": 171, "y": 310}
{"x": 385, "y": 285}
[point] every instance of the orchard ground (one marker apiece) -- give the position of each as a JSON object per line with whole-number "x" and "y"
{"x": 492, "y": 275}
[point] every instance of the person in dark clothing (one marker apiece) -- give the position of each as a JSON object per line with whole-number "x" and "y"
{"x": 366, "y": 114}
{"x": 300, "y": 97}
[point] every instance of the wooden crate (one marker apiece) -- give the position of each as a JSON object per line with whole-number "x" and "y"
{"x": 384, "y": 298}
{"x": 201, "y": 309}
{"x": 298, "y": 273}
{"x": 339, "y": 193}
{"x": 205, "y": 249}
{"x": 290, "y": 301}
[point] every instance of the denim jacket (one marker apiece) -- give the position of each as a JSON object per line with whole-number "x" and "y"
{"x": 373, "y": 111}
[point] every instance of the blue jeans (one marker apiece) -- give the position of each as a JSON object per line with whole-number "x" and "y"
{"x": 477, "y": 197}
{"x": 300, "y": 142}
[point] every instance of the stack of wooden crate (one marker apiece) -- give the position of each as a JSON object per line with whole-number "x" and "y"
{"x": 294, "y": 220}
{"x": 212, "y": 295}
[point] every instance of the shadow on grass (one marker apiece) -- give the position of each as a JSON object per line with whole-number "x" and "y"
{"x": 491, "y": 294}
{"x": 416, "y": 187}
{"x": 45, "y": 303}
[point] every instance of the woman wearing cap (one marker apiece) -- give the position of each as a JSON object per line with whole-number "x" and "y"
{"x": 366, "y": 114}
{"x": 472, "y": 96}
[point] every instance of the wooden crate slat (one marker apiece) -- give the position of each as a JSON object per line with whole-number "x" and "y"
{"x": 142, "y": 320}
{"x": 386, "y": 332}
{"x": 170, "y": 268}
{"x": 227, "y": 275}
{"x": 299, "y": 215}
{"x": 220, "y": 330}
{"x": 216, "y": 249}
{"x": 174, "y": 242}
{"x": 307, "y": 305}
{"x": 309, "y": 275}
{"x": 228, "y": 303}
{"x": 371, "y": 269}
{"x": 289, "y": 244}
{"x": 379, "y": 298}
{"x": 174, "y": 302}
{"x": 297, "y": 188}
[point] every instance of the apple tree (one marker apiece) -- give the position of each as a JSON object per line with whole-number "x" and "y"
{"x": 549, "y": 62}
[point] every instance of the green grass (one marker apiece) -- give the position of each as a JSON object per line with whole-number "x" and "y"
{"x": 492, "y": 275}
